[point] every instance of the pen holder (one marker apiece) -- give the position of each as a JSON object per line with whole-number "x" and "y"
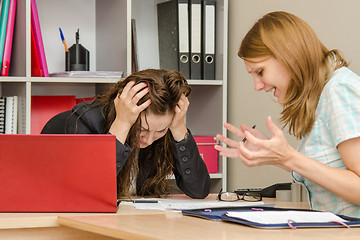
{"x": 67, "y": 61}
{"x": 77, "y": 58}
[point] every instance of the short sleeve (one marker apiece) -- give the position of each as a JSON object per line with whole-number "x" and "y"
{"x": 343, "y": 107}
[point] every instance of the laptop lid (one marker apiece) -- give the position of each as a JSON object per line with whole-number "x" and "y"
{"x": 57, "y": 173}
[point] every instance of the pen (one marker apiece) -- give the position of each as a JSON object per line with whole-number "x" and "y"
{"x": 244, "y": 139}
{"x": 139, "y": 201}
{"x": 63, "y": 39}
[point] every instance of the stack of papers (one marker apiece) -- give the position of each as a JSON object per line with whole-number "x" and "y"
{"x": 175, "y": 204}
{"x": 87, "y": 74}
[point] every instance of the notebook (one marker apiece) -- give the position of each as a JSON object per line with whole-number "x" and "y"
{"x": 57, "y": 173}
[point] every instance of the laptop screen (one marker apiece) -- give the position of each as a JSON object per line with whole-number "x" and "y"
{"x": 57, "y": 173}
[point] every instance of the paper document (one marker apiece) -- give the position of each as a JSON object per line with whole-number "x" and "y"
{"x": 279, "y": 217}
{"x": 87, "y": 74}
{"x": 175, "y": 204}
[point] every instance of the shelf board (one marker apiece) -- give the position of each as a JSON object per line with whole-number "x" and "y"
{"x": 13, "y": 79}
{"x": 72, "y": 80}
{"x": 206, "y": 82}
{"x": 91, "y": 80}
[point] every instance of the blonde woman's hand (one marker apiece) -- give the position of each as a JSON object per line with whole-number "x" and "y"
{"x": 257, "y": 150}
{"x": 232, "y": 149}
{"x": 177, "y": 126}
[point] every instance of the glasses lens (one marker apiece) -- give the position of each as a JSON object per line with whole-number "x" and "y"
{"x": 229, "y": 196}
{"x": 252, "y": 197}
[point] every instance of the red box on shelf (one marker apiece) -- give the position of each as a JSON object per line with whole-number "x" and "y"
{"x": 208, "y": 152}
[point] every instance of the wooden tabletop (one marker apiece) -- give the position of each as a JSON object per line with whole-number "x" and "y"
{"x": 131, "y": 223}
{"x": 177, "y": 226}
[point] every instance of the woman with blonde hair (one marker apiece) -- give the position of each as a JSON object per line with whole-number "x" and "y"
{"x": 320, "y": 96}
{"x": 146, "y": 113}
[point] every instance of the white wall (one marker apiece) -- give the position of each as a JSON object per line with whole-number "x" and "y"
{"x": 337, "y": 25}
{"x": 55, "y": 14}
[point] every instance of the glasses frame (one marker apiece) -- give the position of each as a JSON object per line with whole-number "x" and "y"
{"x": 240, "y": 196}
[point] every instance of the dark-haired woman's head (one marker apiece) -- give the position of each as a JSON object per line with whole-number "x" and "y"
{"x": 150, "y": 132}
{"x": 165, "y": 91}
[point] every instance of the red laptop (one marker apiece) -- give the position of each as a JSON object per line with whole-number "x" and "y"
{"x": 57, "y": 173}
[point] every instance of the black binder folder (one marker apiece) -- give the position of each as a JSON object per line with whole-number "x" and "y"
{"x": 173, "y": 32}
{"x": 168, "y": 35}
{"x": 208, "y": 46}
{"x": 195, "y": 39}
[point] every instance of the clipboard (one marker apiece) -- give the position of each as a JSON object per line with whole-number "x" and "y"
{"x": 220, "y": 214}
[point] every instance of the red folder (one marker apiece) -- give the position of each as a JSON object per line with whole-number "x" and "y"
{"x": 9, "y": 39}
{"x": 57, "y": 173}
{"x": 35, "y": 23}
{"x": 35, "y": 64}
{"x": 208, "y": 152}
{"x": 43, "y": 108}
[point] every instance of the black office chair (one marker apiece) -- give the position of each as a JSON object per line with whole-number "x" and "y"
{"x": 56, "y": 125}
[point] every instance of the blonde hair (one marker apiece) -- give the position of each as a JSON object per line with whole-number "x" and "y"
{"x": 310, "y": 64}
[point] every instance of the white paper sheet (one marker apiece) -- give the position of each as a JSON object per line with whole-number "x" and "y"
{"x": 279, "y": 217}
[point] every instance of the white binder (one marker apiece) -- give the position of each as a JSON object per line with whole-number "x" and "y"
{"x": 209, "y": 25}
{"x": 196, "y": 41}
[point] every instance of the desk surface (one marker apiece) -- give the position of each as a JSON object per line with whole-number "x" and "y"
{"x": 130, "y": 223}
{"x": 177, "y": 226}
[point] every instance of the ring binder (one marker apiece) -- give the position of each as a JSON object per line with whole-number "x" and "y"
{"x": 173, "y": 31}
{"x": 209, "y": 29}
{"x": 168, "y": 35}
{"x": 222, "y": 214}
{"x": 196, "y": 39}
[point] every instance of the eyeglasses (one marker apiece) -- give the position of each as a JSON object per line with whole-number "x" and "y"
{"x": 232, "y": 196}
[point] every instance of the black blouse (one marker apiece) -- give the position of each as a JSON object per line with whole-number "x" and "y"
{"x": 190, "y": 171}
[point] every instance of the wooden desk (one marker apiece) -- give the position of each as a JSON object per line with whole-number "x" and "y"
{"x": 177, "y": 226}
{"x": 130, "y": 223}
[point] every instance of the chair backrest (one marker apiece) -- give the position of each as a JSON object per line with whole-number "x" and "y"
{"x": 57, "y": 124}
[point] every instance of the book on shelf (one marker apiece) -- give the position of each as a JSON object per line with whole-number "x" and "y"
{"x": 35, "y": 25}
{"x": 3, "y": 26}
{"x": 5, "y": 66}
{"x": 11, "y": 114}
{"x": 35, "y": 64}
{"x": 2, "y": 115}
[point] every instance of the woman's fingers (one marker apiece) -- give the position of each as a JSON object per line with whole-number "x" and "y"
{"x": 227, "y": 141}
{"x": 139, "y": 95}
{"x": 127, "y": 88}
{"x": 144, "y": 105}
{"x": 234, "y": 130}
{"x": 227, "y": 152}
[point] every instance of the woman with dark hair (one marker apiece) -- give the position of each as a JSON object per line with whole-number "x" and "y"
{"x": 146, "y": 112}
{"x": 320, "y": 97}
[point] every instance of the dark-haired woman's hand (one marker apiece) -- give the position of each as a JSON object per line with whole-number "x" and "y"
{"x": 177, "y": 126}
{"x": 127, "y": 110}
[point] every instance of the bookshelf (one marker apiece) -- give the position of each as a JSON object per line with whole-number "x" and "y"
{"x": 105, "y": 30}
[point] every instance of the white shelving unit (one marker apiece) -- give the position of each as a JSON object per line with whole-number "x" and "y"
{"x": 105, "y": 30}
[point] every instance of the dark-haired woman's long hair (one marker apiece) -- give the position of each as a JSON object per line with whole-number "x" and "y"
{"x": 165, "y": 90}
